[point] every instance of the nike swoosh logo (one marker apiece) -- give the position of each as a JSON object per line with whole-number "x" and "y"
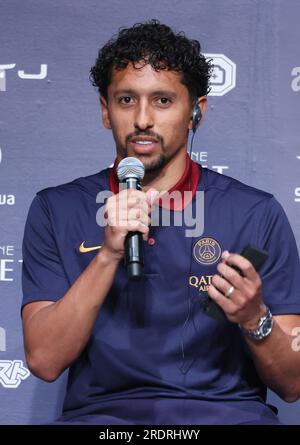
{"x": 83, "y": 249}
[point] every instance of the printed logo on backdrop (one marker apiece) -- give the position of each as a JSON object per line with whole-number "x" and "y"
{"x": 223, "y": 77}
{"x": 8, "y": 263}
{"x": 295, "y": 84}
{"x": 12, "y": 373}
{"x": 2, "y": 340}
{"x": 6, "y": 199}
{"x": 297, "y": 189}
{"x": 201, "y": 158}
{"x": 42, "y": 74}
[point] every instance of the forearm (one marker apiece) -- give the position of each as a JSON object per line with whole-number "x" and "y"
{"x": 238, "y": 291}
{"x": 56, "y": 334}
{"x": 277, "y": 363}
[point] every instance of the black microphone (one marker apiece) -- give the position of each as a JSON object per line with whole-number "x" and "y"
{"x": 131, "y": 172}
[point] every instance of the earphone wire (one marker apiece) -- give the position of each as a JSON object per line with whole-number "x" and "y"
{"x": 191, "y": 143}
{"x": 189, "y": 297}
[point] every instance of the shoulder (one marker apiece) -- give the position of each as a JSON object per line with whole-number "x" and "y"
{"x": 223, "y": 183}
{"x": 243, "y": 199}
{"x": 236, "y": 194}
{"x": 83, "y": 188}
{"x": 70, "y": 200}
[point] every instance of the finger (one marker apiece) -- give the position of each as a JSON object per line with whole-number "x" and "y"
{"x": 123, "y": 215}
{"x": 130, "y": 226}
{"x": 117, "y": 221}
{"x": 133, "y": 199}
{"x": 226, "y": 304}
{"x": 131, "y": 193}
{"x": 231, "y": 275}
{"x": 152, "y": 195}
{"x": 246, "y": 267}
{"x": 223, "y": 286}
{"x": 129, "y": 198}
{"x": 137, "y": 226}
{"x": 136, "y": 205}
{"x": 139, "y": 215}
{"x": 122, "y": 208}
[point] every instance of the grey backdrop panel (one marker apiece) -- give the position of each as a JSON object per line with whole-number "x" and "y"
{"x": 51, "y": 130}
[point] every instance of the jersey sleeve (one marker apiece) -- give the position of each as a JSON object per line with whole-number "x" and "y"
{"x": 281, "y": 272}
{"x": 43, "y": 275}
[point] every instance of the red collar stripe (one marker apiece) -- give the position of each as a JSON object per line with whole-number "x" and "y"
{"x": 188, "y": 182}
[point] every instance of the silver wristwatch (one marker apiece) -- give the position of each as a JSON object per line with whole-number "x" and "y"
{"x": 263, "y": 329}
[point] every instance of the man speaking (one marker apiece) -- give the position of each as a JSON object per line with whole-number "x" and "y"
{"x": 144, "y": 351}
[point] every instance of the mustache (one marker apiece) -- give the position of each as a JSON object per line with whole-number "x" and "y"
{"x": 144, "y": 133}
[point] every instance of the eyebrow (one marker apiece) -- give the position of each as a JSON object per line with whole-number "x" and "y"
{"x": 153, "y": 93}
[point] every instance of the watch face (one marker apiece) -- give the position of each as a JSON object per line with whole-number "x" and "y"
{"x": 267, "y": 326}
{"x": 263, "y": 330}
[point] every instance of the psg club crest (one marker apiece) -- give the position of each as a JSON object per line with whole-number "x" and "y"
{"x": 207, "y": 251}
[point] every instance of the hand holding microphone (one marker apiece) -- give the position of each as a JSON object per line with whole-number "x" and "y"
{"x": 131, "y": 171}
{"x": 128, "y": 220}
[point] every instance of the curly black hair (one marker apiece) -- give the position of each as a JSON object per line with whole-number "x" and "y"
{"x": 156, "y": 44}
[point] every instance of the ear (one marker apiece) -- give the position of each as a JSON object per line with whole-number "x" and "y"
{"x": 202, "y": 102}
{"x": 105, "y": 112}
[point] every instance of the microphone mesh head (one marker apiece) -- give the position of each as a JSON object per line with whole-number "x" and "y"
{"x": 130, "y": 168}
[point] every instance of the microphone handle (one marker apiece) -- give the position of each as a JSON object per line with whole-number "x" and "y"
{"x": 134, "y": 248}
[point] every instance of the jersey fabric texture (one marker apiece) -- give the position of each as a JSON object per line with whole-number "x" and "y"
{"x": 154, "y": 356}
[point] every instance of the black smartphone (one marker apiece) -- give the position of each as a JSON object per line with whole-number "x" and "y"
{"x": 257, "y": 257}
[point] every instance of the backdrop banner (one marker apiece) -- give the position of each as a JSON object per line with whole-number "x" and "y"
{"x": 51, "y": 130}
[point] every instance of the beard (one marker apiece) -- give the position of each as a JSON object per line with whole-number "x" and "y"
{"x": 156, "y": 164}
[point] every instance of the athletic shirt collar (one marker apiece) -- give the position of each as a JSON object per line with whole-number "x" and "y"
{"x": 188, "y": 182}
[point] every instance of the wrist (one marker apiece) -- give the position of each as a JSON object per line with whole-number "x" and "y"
{"x": 108, "y": 256}
{"x": 262, "y": 329}
{"x": 253, "y": 322}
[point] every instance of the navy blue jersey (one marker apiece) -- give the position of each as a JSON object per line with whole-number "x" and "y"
{"x": 154, "y": 356}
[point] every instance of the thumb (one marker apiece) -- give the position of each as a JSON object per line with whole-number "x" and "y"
{"x": 225, "y": 255}
{"x": 152, "y": 194}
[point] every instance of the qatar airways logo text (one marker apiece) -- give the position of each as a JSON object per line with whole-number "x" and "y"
{"x": 41, "y": 74}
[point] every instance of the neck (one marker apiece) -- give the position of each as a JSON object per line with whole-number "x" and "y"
{"x": 165, "y": 178}
{"x": 182, "y": 175}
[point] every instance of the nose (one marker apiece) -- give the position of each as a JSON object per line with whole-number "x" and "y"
{"x": 143, "y": 117}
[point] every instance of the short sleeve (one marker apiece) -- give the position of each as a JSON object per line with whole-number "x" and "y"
{"x": 281, "y": 272}
{"x": 43, "y": 275}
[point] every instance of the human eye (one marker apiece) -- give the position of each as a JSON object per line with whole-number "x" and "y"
{"x": 125, "y": 100}
{"x": 164, "y": 101}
